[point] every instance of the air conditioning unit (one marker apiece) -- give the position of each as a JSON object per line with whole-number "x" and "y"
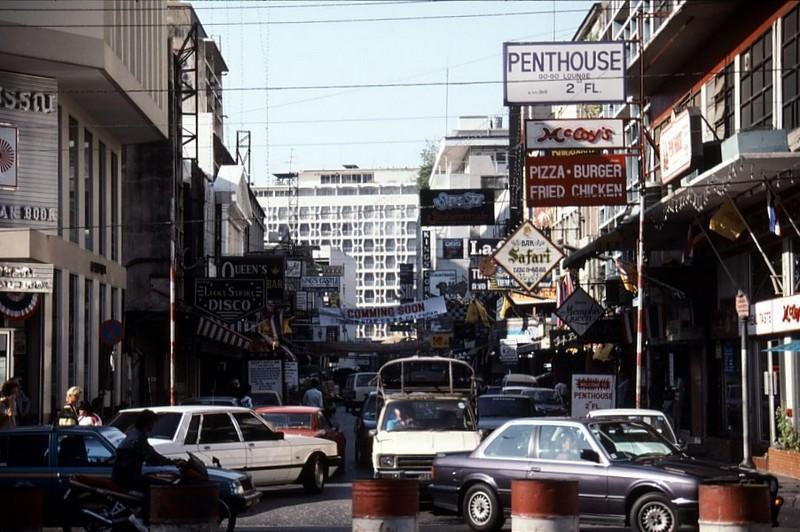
{"x": 746, "y": 62}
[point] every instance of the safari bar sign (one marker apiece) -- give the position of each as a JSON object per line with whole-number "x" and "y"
{"x": 230, "y": 299}
{"x": 564, "y": 72}
{"x": 574, "y": 134}
{"x": 575, "y": 181}
{"x": 528, "y": 256}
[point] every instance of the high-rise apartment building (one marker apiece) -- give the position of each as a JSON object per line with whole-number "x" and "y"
{"x": 369, "y": 214}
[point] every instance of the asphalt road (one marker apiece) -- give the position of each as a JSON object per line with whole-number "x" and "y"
{"x": 291, "y": 510}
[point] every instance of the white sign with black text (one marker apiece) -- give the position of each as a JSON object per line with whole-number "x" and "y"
{"x": 592, "y": 392}
{"x": 327, "y": 282}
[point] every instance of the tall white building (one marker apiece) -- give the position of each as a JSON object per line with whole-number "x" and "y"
{"x": 370, "y": 214}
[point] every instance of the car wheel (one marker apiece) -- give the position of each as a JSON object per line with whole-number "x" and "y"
{"x": 481, "y": 508}
{"x": 654, "y": 512}
{"x": 314, "y": 476}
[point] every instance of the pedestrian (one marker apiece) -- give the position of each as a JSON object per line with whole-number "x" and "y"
{"x": 244, "y": 398}
{"x": 23, "y": 403}
{"x": 313, "y": 397}
{"x": 623, "y": 391}
{"x": 87, "y": 416}
{"x": 68, "y": 416}
{"x": 562, "y": 391}
{"x": 8, "y": 397}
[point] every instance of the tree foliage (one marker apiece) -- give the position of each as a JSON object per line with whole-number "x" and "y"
{"x": 427, "y": 158}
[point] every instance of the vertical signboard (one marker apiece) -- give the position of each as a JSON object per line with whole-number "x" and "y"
{"x": 426, "y": 249}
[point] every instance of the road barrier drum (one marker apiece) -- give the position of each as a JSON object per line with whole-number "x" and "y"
{"x": 21, "y": 509}
{"x": 184, "y": 507}
{"x": 385, "y": 505}
{"x": 734, "y": 508}
{"x": 545, "y": 505}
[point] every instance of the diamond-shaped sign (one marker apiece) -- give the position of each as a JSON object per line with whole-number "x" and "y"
{"x": 528, "y": 256}
{"x": 580, "y": 311}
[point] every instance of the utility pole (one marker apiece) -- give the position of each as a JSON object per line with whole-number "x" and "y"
{"x": 642, "y": 205}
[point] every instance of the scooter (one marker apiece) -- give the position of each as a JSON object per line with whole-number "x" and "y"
{"x": 102, "y": 504}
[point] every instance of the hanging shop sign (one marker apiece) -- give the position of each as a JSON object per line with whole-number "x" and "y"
{"x": 325, "y": 282}
{"x": 26, "y": 277}
{"x": 592, "y": 392}
{"x": 564, "y": 72}
{"x": 575, "y": 181}
{"x": 596, "y": 133}
{"x": 294, "y": 269}
{"x": 9, "y": 158}
{"x": 230, "y": 299}
{"x": 456, "y": 207}
{"x": 528, "y": 256}
{"x": 426, "y": 249}
{"x": 452, "y": 248}
{"x": 264, "y": 376}
{"x": 440, "y": 280}
{"x": 580, "y": 311}
{"x": 774, "y": 316}
{"x": 440, "y": 341}
{"x": 415, "y": 310}
{"x": 19, "y": 305}
{"x": 681, "y": 145}
{"x": 269, "y": 268}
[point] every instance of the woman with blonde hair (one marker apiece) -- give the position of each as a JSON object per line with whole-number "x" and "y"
{"x": 68, "y": 417}
{"x": 8, "y": 396}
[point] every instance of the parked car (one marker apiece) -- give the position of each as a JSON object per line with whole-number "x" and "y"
{"x": 47, "y": 456}
{"x": 366, "y": 421}
{"x": 627, "y": 473}
{"x": 518, "y": 379}
{"x": 211, "y": 400}
{"x": 546, "y": 400}
{"x": 655, "y": 418}
{"x": 304, "y": 421}
{"x": 356, "y": 389}
{"x": 269, "y": 398}
{"x": 494, "y": 410}
{"x": 239, "y": 439}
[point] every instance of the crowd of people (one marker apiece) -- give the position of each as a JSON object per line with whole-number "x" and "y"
{"x": 15, "y": 407}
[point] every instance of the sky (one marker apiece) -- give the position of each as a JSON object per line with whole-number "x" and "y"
{"x": 274, "y": 48}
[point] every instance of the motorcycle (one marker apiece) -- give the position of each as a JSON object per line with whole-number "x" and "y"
{"x": 102, "y": 504}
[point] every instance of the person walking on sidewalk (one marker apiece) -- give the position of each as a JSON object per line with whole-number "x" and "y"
{"x": 68, "y": 416}
{"x": 8, "y": 397}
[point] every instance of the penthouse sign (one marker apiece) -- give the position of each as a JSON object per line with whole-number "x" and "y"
{"x": 575, "y": 181}
{"x": 415, "y": 310}
{"x": 564, "y": 72}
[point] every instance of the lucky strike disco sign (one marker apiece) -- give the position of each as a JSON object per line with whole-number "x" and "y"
{"x": 564, "y": 72}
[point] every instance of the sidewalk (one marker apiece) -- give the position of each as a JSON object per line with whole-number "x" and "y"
{"x": 790, "y": 491}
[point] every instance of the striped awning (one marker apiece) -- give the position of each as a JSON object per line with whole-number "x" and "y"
{"x": 218, "y": 331}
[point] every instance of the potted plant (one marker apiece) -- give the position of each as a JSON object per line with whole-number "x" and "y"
{"x": 785, "y": 459}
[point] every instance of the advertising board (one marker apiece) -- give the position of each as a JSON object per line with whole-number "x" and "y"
{"x": 26, "y": 277}
{"x": 528, "y": 255}
{"x": 456, "y": 207}
{"x": 452, "y": 248}
{"x": 681, "y": 145}
{"x": 592, "y": 392}
{"x": 230, "y": 299}
{"x": 580, "y": 311}
{"x": 426, "y": 249}
{"x": 325, "y": 282}
{"x": 416, "y": 310}
{"x": 439, "y": 280}
{"x": 575, "y": 181}
{"x": 594, "y": 133}
{"x": 269, "y": 268}
{"x": 564, "y": 72}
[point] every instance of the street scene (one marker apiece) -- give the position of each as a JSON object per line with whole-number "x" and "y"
{"x": 438, "y": 265}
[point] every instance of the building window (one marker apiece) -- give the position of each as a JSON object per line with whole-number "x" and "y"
{"x": 790, "y": 77}
{"x": 73, "y": 329}
{"x": 756, "y": 83}
{"x": 114, "y": 206}
{"x": 102, "y": 225}
{"x": 88, "y": 337}
{"x": 73, "y": 180}
{"x": 720, "y": 107}
{"x": 88, "y": 189}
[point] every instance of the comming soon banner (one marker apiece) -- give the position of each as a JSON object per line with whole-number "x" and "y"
{"x": 416, "y": 310}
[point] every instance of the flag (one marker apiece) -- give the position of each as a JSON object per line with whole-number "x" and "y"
{"x": 726, "y": 221}
{"x": 507, "y": 305}
{"x": 477, "y": 313}
{"x": 772, "y": 214}
{"x": 628, "y": 275}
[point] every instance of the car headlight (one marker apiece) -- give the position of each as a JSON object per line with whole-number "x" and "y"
{"x": 387, "y": 460}
{"x": 237, "y": 488}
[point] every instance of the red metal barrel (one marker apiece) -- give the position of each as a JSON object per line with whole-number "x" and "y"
{"x": 186, "y": 507}
{"x": 734, "y": 508}
{"x": 21, "y": 509}
{"x": 544, "y": 505}
{"x": 380, "y": 505}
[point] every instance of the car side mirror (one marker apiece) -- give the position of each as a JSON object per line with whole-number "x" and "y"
{"x": 277, "y": 435}
{"x": 590, "y": 455}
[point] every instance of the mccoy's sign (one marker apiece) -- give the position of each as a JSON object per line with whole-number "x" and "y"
{"x": 270, "y": 269}
{"x": 774, "y": 316}
{"x": 230, "y": 299}
{"x": 573, "y": 134}
{"x": 564, "y": 72}
{"x": 528, "y": 256}
{"x": 575, "y": 181}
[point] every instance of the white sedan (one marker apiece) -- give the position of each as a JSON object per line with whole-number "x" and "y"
{"x": 237, "y": 438}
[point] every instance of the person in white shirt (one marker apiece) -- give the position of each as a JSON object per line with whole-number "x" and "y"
{"x": 313, "y": 397}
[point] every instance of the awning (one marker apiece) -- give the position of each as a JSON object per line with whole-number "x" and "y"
{"x": 793, "y": 346}
{"x": 220, "y": 332}
{"x": 618, "y": 238}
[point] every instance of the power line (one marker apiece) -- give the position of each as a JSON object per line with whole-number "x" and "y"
{"x": 138, "y": 7}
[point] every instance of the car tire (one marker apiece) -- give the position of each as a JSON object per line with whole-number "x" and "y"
{"x": 481, "y": 508}
{"x": 653, "y": 512}
{"x": 227, "y": 519}
{"x": 314, "y": 475}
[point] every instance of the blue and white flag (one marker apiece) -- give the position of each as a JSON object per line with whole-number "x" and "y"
{"x": 772, "y": 215}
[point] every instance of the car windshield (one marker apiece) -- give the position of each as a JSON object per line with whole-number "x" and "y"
{"x": 427, "y": 415}
{"x": 509, "y": 406}
{"x": 631, "y": 440}
{"x": 540, "y": 396}
{"x": 288, "y": 421}
{"x": 364, "y": 379}
{"x": 659, "y": 423}
{"x": 164, "y": 429}
{"x": 368, "y": 411}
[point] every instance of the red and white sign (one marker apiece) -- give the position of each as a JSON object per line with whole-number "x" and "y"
{"x": 9, "y": 157}
{"x": 575, "y": 181}
{"x": 775, "y": 316}
{"x": 571, "y": 134}
{"x": 680, "y": 145}
{"x": 742, "y": 305}
{"x": 592, "y": 392}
